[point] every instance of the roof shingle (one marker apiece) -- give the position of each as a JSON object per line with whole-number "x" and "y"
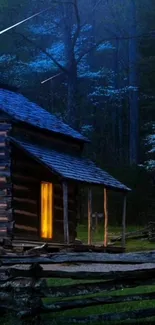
{"x": 21, "y": 109}
{"x": 70, "y": 167}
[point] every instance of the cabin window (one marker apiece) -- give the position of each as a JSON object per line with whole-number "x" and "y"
{"x": 46, "y": 210}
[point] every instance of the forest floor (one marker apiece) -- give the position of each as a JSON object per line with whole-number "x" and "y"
{"x": 132, "y": 245}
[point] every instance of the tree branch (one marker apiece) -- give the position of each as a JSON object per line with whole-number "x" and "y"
{"x": 61, "y": 67}
{"x": 107, "y": 40}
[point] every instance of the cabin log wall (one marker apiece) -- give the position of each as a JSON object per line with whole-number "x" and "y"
{"x": 27, "y": 176}
{"x": 6, "y": 215}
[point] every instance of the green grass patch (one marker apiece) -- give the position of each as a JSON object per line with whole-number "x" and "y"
{"x": 111, "y": 308}
{"x": 132, "y": 245}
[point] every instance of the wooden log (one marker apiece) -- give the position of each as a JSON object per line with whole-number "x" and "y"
{"x": 26, "y": 221}
{"x": 3, "y": 133}
{"x": 19, "y": 187}
{"x": 124, "y": 221}
{"x": 65, "y": 212}
{"x": 5, "y": 127}
{"x": 3, "y": 137}
{"x": 59, "y": 208}
{"x": 3, "y": 231}
{"x": 25, "y": 285}
{"x": 134, "y": 274}
{"x": 89, "y": 216}
{"x": 3, "y": 219}
{"x": 3, "y": 224}
{"x": 123, "y": 259}
{"x": 25, "y": 213}
{"x": 105, "y": 218}
{"x": 4, "y": 185}
{"x": 25, "y": 200}
{"x": 132, "y": 235}
{"x": 61, "y": 306}
{"x": 26, "y": 228}
{"x": 83, "y": 303}
{"x": 26, "y": 207}
{"x": 25, "y": 179}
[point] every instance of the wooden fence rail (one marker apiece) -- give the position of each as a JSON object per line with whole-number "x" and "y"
{"x": 24, "y": 285}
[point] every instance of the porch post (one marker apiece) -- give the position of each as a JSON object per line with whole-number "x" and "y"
{"x": 65, "y": 213}
{"x": 124, "y": 221}
{"x": 89, "y": 216}
{"x": 105, "y": 218}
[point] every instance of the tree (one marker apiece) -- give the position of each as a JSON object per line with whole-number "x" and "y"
{"x": 133, "y": 85}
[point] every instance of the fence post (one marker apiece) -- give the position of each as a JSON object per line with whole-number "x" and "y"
{"x": 89, "y": 216}
{"x": 105, "y": 218}
{"x": 65, "y": 213}
{"x": 124, "y": 221}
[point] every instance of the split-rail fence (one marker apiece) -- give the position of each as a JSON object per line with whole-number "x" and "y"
{"x": 24, "y": 283}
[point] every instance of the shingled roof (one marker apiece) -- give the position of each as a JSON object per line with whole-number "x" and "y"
{"x": 21, "y": 109}
{"x": 70, "y": 167}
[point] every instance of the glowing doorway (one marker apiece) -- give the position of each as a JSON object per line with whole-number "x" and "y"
{"x": 46, "y": 210}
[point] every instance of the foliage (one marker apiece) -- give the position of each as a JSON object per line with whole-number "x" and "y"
{"x": 86, "y": 50}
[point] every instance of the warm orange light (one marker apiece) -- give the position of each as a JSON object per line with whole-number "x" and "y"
{"x": 46, "y": 210}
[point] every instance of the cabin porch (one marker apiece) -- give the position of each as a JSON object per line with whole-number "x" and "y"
{"x": 51, "y": 180}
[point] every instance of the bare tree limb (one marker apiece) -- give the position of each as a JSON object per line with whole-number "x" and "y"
{"x": 107, "y": 40}
{"x": 61, "y": 67}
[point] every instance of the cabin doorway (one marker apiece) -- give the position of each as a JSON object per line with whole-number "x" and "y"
{"x": 46, "y": 210}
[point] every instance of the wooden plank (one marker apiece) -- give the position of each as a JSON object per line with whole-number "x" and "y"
{"x": 3, "y": 231}
{"x": 124, "y": 221}
{"x": 2, "y": 179}
{"x": 25, "y": 179}
{"x": 19, "y": 187}
{"x": 5, "y": 185}
{"x": 115, "y": 275}
{"x": 25, "y": 213}
{"x": 105, "y": 218}
{"x": 26, "y": 220}
{"x": 88, "y": 258}
{"x": 3, "y": 133}
{"x": 2, "y": 144}
{"x": 25, "y": 200}
{"x": 89, "y": 216}
{"x": 26, "y": 228}
{"x": 3, "y": 219}
{"x": 5, "y": 127}
{"x": 3, "y": 224}
{"x": 27, "y": 207}
{"x": 65, "y": 213}
{"x": 5, "y": 173}
{"x": 58, "y": 202}
{"x": 83, "y": 303}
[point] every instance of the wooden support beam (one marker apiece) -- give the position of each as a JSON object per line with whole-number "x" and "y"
{"x": 89, "y": 216}
{"x": 105, "y": 218}
{"x": 65, "y": 213}
{"x": 124, "y": 221}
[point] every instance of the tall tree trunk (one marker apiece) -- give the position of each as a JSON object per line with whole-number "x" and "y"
{"x": 72, "y": 98}
{"x": 71, "y": 65}
{"x": 133, "y": 92}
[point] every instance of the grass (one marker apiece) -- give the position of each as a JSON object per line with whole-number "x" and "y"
{"x": 131, "y": 245}
{"x": 100, "y": 309}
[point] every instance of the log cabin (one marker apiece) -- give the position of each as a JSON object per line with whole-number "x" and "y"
{"x": 41, "y": 168}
